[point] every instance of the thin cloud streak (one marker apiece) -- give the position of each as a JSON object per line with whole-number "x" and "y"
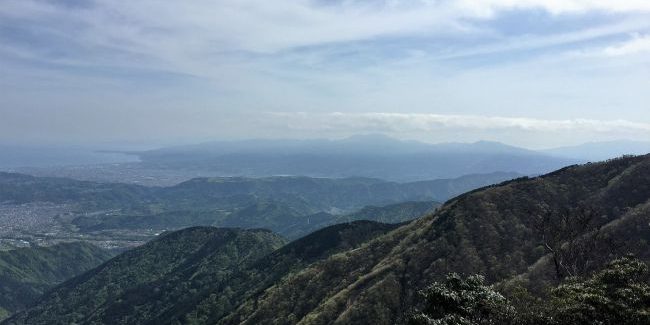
{"x": 638, "y": 44}
{"x": 404, "y": 122}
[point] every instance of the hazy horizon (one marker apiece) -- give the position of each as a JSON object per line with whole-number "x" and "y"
{"x": 144, "y": 145}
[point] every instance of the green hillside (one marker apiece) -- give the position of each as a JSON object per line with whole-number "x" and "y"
{"x": 586, "y": 214}
{"x": 194, "y": 274}
{"x": 25, "y": 273}
{"x": 528, "y": 235}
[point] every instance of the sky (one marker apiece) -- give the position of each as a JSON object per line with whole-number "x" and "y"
{"x": 533, "y": 73}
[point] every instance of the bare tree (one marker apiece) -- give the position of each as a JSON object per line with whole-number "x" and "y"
{"x": 571, "y": 237}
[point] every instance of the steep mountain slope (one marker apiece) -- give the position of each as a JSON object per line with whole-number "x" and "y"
{"x": 534, "y": 231}
{"x": 189, "y": 275}
{"x": 25, "y": 273}
{"x": 220, "y": 298}
{"x": 374, "y": 156}
{"x": 142, "y": 283}
{"x": 499, "y": 232}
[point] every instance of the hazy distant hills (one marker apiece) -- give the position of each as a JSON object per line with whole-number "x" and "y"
{"x": 389, "y": 214}
{"x": 367, "y": 273}
{"x": 597, "y": 151}
{"x": 291, "y": 206}
{"x": 373, "y": 156}
{"x": 332, "y": 193}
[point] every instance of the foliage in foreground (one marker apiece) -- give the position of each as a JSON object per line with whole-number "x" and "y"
{"x": 463, "y": 301}
{"x": 617, "y": 295}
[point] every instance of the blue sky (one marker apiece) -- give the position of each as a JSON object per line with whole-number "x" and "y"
{"x": 530, "y": 72}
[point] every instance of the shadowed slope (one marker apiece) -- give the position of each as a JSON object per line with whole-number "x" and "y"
{"x": 497, "y": 231}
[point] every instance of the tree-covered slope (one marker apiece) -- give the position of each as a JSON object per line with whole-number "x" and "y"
{"x": 534, "y": 232}
{"x": 580, "y": 216}
{"x": 219, "y": 298}
{"x": 144, "y": 282}
{"x": 196, "y": 274}
{"x": 25, "y": 273}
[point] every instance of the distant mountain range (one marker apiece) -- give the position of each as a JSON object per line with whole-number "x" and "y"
{"x": 525, "y": 236}
{"x": 597, "y": 151}
{"x": 373, "y": 156}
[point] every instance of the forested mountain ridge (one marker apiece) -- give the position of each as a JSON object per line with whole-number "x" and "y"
{"x": 26, "y": 273}
{"x": 528, "y": 233}
{"x": 580, "y": 212}
{"x": 191, "y": 275}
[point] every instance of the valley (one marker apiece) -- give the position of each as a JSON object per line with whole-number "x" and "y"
{"x": 42, "y": 211}
{"x": 312, "y": 162}
{"x": 523, "y": 236}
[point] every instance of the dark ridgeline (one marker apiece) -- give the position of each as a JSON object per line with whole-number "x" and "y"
{"x": 531, "y": 232}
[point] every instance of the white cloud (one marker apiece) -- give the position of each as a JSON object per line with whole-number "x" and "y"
{"x": 638, "y": 44}
{"x": 270, "y": 26}
{"x": 422, "y": 122}
{"x": 202, "y": 37}
{"x": 488, "y": 7}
